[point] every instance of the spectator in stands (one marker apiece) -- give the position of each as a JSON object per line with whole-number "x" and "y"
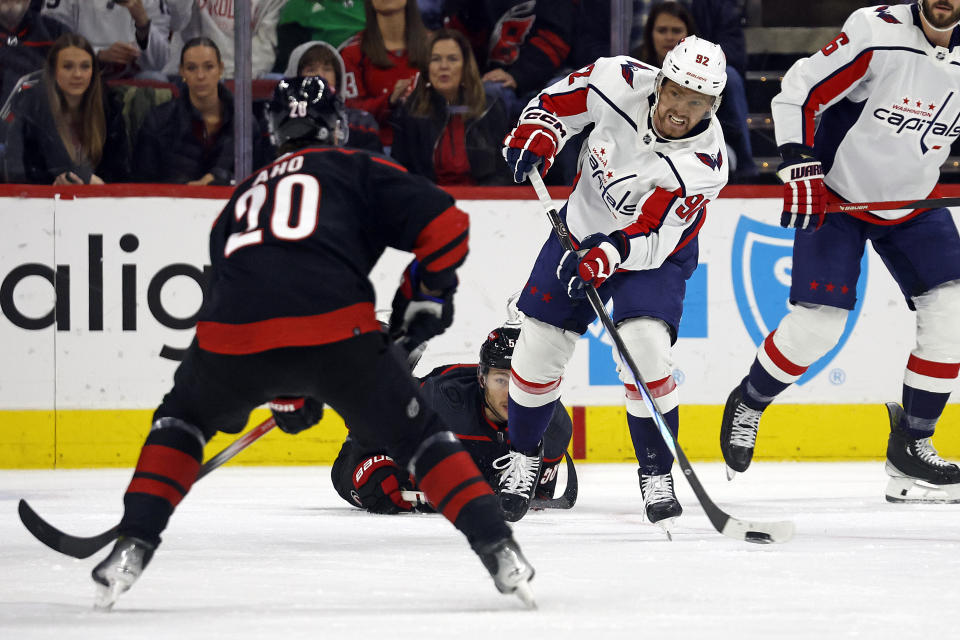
{"x": 669, "y": 22}
{"x": 332, "y": 21}
{"x": 450, "y": 130}
{"x": 519, "y": 45}
{"x": 319, "y": 58}
{"x": 190, "y": 138}
{"x": 131, "y": 37}
{"x": 382, "y": 60}
{"x": 215, "y": 20}
{"x": 65, "y": 129}
{"x": 25, "y": 39}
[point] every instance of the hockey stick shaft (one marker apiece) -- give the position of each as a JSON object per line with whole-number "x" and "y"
{"x": 80, "y": 547}
{"x": 930, "y": 203}
{"x": 718, "y": 518}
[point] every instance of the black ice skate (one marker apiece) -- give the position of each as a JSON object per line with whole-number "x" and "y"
{"x": 119, "y": 570}
{"x": 659, "y": 501}
{"x": 738, "y": 433}
{"x": 510, "y": 571}
{"x": 519, "y": 475}
{"x": 917, "y": 473}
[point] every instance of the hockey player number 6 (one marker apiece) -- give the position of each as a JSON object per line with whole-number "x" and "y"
{"x": 249, "y": 205}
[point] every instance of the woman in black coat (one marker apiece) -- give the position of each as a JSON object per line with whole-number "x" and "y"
{"x": 65, "y": 127}
{"x": 189, "y": 139}
{"x": 449, "y": 130}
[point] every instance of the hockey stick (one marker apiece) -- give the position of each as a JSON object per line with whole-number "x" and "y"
{"x": 931, "y": 203}
{"x": 566, "y": 501}
{"x": 78, "y": 547}
{"x": 759, "y": 532}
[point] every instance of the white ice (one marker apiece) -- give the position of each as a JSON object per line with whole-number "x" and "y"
{"x": 275, "y": 553}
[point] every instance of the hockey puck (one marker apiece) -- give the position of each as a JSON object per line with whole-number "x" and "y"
{"x": 758, "y": 537}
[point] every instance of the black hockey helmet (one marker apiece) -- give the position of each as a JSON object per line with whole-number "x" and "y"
{"x": 306, "y": 111}
{"x": 497, "y": 350}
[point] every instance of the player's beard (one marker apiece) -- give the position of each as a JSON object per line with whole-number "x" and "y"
{"x": 11, "y": 13}
{"x": 940, "y": 23}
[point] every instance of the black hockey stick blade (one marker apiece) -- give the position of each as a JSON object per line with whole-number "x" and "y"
{"x": 758, "y": 532}
{"x": 748, "y": 531}
{"x": 73, "y": 546}
{"x": 79, "y": 547}
{"x": 569, "y": 497}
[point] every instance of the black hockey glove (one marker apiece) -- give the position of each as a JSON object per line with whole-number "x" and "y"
{"x": 294, "y": 415}
{"x": 377, "y": 482}
{"x": 416, "y": 316}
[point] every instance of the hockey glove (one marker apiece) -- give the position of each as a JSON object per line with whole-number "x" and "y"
{"x": 804, "y": 195}
{"x": 528, "y": 146}
{"x": 598, "y": 257}
{"x": 416, "y": 317}
{"x": 377, "y": 482}
{"x": 294, "y": 415}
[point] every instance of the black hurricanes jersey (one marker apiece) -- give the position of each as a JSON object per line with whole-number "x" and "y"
{"x": 453, "y": 391}
{"x": 292, "y": 249}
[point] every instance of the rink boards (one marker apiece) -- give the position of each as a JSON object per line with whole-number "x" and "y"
{"x": 98, "y": 297}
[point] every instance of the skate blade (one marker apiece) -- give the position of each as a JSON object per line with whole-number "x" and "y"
{"x": 525, "y": 593}
{"x": 107, "y": 596}
{"x": 903, "y": 490}
{"x": 731, "y": 473}
{"x": 667, "y": 526}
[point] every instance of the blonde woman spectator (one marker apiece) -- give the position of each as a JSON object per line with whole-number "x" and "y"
{"x": 65, "y": 129}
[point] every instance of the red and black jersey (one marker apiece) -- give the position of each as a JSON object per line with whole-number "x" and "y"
{"x": 292, "y": 250}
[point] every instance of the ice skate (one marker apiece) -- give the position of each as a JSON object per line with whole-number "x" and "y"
{"x": 509, "y": 569}
{"x": 917, "y": 472}
{"x": 519, "y": 475}
{"x": 659, "y": 501}
{"x": 119, "y": 570}
{"x": 738, "y": 433}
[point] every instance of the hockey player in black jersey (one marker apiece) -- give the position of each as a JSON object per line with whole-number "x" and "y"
{"x": 289, "y": 313}
{"x": 472, "y": 401}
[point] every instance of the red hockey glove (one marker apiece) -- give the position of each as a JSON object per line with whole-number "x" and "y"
{"x": 417, "y": 317}
{"x": 804, "y": 195}
{"x": 528, "y": 146}
{"x": 377, "y": 481}
{"x": 598, "y": 257}
{"x": 294, "y": 415}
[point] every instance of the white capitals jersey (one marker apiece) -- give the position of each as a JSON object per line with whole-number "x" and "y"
{"x": 655, "y": 190}
{"x": 879, "y": 103}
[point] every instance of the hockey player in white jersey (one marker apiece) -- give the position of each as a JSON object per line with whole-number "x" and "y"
{"x": 870, "y": 117}
{"x": 648, "y": 169}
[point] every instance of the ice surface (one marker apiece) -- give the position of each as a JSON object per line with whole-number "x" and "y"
{"x": 275, "y": 553}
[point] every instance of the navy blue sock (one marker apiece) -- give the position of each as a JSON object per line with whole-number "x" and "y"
{"x": 922, "y": 409}
{"x": 760, "y": 388}
{"x": 526, "y": 425}
{"x": 653, "y": 455}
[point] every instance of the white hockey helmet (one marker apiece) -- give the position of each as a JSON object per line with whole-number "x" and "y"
{"x": 697, "y": 64}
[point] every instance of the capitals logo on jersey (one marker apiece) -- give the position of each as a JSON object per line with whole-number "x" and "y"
{"x": 761, "y": 267}
{"x": 926, "y": 116}
{"x": 884, "y": 14}
{"x": 712, "y": 161}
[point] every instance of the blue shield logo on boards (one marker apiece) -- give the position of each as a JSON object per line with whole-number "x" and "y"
{"x": 760, "y": 267}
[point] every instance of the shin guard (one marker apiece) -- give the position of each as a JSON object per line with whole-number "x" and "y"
{"x": 168, "y": 466}
{"x": 456, "y": 488}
